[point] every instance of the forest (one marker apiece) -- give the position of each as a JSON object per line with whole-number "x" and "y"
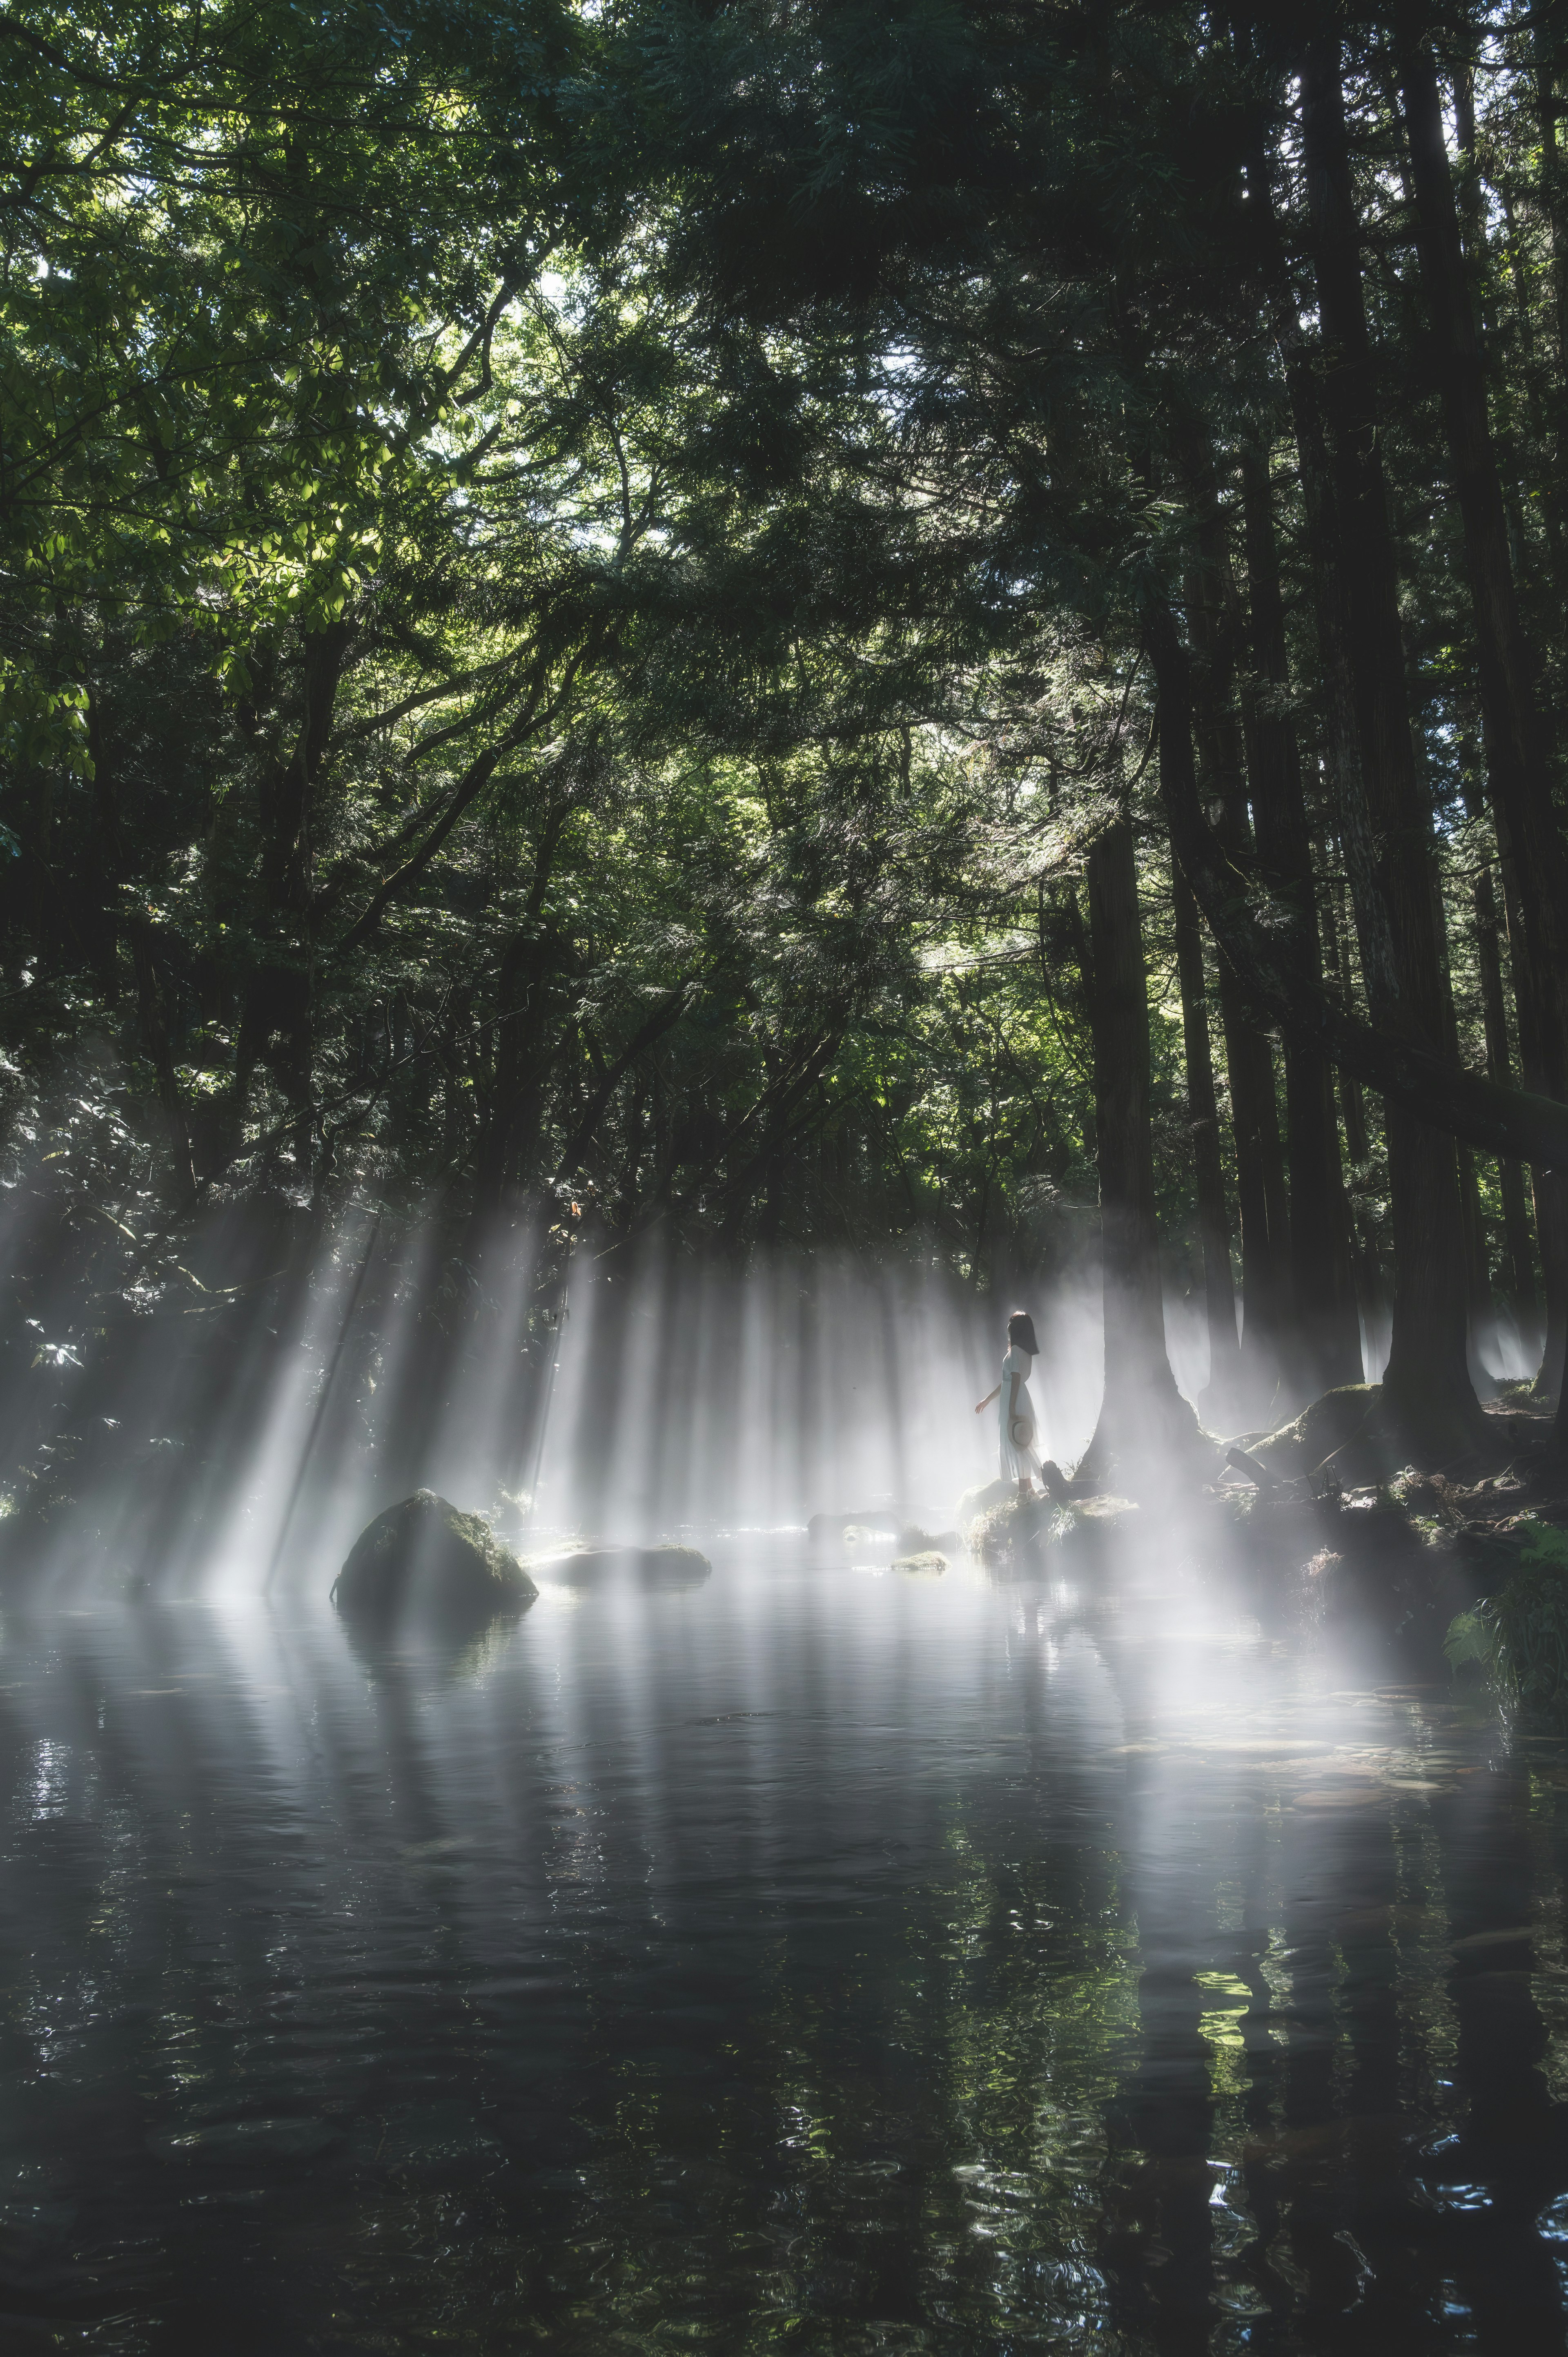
{"x": 934, "y": 630}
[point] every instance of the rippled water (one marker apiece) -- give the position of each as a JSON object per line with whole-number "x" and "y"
{"x": 817, "y": 1959}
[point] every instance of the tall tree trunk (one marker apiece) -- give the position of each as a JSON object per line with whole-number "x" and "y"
{"x": 1427, "y": 1383}
{"x": 522, "y": 1046}
{"x": 1479, "y": 1307}
{"x": 1371, "y": 1297}
{"x": 1260, "y": 1198}
{"x": 1342, "y": 737}
{"x": 1142, "y": 1416}
{"x": 1220, "y": 1404}
{"x": 140, "y": 935}
{"x": 1517, "y": 760}
{"x": 277, "y": 1024}
{"x": 1517, "y": 1256}
{"x": 1554, "y": 205}
{"x": 1550, "y": 1201}
{"x": 1327, "y": 1339}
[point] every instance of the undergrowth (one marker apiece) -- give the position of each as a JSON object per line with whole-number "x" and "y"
{"x": 1518, "y": 1639}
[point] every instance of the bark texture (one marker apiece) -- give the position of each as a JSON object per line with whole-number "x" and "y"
{"x": 1222, "y": 1402}
{"x": 1142, "y": 1416}
{"x": 1428, "y": 1377}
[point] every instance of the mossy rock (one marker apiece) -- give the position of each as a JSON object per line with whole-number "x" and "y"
{"x": 927, "y": 1565}
{"x": 1326, "y": 1424}
{"x": 979, "y": 1500}
{"x": 1085, "y": 1529}
{"x": 425, "y": 1559}
{"x": 1026, "y": 1531}
{"x": 656, "y": 1566}
{"x": 1014, "y": 1525}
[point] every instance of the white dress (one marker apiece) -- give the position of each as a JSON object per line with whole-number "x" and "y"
{"x": 1016, "y": 1463}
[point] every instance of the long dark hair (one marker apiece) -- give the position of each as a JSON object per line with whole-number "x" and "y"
{"x": 1021, "y": 1329}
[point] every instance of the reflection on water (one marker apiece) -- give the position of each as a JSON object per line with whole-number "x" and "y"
{"x": 816, "y": 1959}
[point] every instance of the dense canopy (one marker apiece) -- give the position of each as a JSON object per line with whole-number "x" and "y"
{"x": 936, "y": 627}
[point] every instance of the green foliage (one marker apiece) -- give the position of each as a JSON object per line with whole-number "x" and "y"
{"x": 570, "y": 595}
{"x": 1519, "y": 1638}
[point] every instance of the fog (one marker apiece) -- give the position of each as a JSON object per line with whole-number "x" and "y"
{"x": 242, "y": 1442}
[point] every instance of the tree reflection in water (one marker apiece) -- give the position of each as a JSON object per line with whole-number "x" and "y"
{"x": 817, "y": 1959}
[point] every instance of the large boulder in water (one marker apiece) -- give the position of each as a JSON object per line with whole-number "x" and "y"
{"x": 423, "y": 1559}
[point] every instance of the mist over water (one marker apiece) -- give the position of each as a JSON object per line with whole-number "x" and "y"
{"x": 237, "y": 1434}
{"x": 1107, "y": 1956}
{"x": 695, "y": 1398}
{"x": 671, "y": 1394}
{"x": 814, "y": 1951}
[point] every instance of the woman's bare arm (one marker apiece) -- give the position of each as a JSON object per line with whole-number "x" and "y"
{"x": 980, "y": 1406}
{"x": 1011, "y": 1406}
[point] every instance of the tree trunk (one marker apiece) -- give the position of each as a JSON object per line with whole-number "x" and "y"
{"x": 1405, "y": 1068}
{"x": 1142, "y": 1416}
{"x": 522, "y": 1048}
{"x": 1220, "y": 1404}
{"x": 1260, "y": 1198}
{"x": 1548, "y": 1191}
{"x": 1371, "y": 1296}
{"x": 279, "y": 1001}
{"x": 1518, "y": 754}
{"x": 1260, "y": 1195}
{"x": 150, "y": 1008}
{"x": 1427, "y": 1382}
{"x": 1519, "y": 1259}
{"x": 139, "y": 934}
{"x": 1478, "y": 1308}
{"x": 1554, "y": 205}
{"x": 1327, "y": 1339}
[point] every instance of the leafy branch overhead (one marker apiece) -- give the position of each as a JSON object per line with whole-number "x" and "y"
{"x": 590, "y": 595}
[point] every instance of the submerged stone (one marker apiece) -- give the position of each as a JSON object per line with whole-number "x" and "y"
{"x": 657, "y": 1566}
{"x": 827, "y": 1529}
{"x": 426, "y": 1559}
{"x": 927, "y": 1565}
{"x": 912, "y": 1541}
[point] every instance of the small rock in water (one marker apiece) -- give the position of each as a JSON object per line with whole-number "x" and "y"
{"x": 882, "y": 1521}
{"x": 927, "y": 1565}
{"x": 423, "y": 1559}
{"x": 659, "y": 1566}
{"x": 913, "y": 1541}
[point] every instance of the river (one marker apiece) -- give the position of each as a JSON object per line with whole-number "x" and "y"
{"x": 818, "y": 1958}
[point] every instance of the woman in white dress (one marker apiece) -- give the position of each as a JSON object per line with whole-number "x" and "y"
{"x": 1019, "y": 1458}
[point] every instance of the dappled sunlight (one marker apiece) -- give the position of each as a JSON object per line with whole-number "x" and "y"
{"x": 784, "y": 1179}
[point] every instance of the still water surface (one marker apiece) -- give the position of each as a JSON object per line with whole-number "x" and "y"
{"x": 817, "y": 1959}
